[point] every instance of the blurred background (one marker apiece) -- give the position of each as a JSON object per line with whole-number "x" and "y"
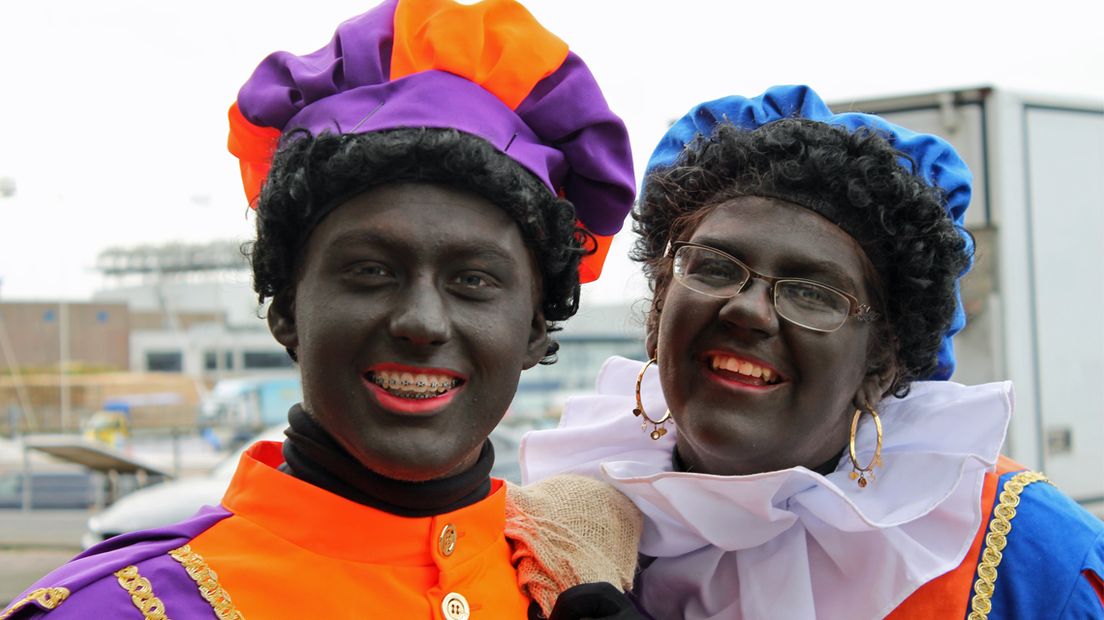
{"x": 133, "y": 364}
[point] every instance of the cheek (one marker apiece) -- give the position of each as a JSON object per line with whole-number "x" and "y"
{"x": 680, "y": 320}
{"x": 836, "y": 368}
{"x": 495, "y": 334}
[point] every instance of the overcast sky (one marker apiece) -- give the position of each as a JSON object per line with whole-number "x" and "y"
{"x": 113, "y": 113}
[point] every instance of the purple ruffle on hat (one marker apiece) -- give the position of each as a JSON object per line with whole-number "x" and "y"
{"x": 562, "y": 130}
{"x": 934, "y": 160}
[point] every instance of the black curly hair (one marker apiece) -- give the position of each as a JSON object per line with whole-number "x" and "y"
{"x": 311, "y": 175}
{"x": 857, "y": 180}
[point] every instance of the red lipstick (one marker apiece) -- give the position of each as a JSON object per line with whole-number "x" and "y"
{"x": 737, "y": 371}
{"x": 417, "y": 406}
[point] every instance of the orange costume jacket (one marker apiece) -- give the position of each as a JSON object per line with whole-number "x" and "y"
{"x": 279, "y": 547}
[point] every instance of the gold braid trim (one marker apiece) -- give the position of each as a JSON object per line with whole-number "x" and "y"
{"x": 141, "y": 593}
{"x": 208, "y": 583}
{"x": 49, "y": 598}
{"x": 1000, "y": 526}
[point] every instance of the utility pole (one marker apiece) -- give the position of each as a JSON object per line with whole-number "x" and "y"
{"x": 63, "y": 363}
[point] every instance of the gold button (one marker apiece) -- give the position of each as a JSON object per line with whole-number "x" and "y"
{"x": 455, "y": 607}
{"x": 446, "y": 542}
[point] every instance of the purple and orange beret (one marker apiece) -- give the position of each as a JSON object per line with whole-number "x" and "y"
{"x": 488, "y": 69}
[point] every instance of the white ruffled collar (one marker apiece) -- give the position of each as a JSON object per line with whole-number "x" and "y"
{"x": 791, "y": 543}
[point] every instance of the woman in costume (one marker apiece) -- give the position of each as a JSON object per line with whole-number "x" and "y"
{"x": 417, "y": 254}
{"x": 802, "y": 453}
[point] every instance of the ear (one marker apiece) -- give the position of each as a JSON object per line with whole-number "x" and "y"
{"x": 537, "y": 347}
{"x": 651, "y": 339}
{"x": 879, "y": 378}
{"x": 651, "y": 329}
{"x": 281, "y": 322}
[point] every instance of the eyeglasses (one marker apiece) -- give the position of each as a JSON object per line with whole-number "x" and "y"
{"x": 804, "y": 303}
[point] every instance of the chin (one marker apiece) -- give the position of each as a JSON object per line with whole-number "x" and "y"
{"x": 417, "y": 467}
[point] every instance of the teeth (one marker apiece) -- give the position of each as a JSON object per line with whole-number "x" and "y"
{"x": 416, "y": 386}
{"x": 742, "y": 367}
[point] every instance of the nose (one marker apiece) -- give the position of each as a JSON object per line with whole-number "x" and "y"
{"x": 752, "y": 308}
{"x": 420, "y": 315}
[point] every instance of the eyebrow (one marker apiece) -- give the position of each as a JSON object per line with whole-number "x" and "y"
{"x": 487, "y": 250}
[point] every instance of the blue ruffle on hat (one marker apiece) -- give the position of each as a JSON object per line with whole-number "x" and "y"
{"x": 935, "y": 160}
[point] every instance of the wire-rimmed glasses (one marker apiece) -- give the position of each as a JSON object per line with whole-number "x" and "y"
{"x": 805, "y": 303}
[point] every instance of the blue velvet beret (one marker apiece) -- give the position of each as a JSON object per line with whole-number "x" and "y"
{"x": 935, "y": 160}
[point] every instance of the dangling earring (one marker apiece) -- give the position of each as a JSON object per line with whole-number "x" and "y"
{"x": 861, "y": 474}
{"x": 658, "y": 429}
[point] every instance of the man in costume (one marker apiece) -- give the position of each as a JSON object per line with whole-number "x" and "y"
{"x": 430, "y": 187}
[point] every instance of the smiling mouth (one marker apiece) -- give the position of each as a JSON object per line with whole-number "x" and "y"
{"x": 742, "y": 370}
{"x": 413, "y": 386}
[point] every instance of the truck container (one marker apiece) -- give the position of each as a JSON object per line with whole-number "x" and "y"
{"x": 1035, "y": 298}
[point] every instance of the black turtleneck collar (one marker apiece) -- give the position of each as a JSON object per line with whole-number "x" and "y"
{"x": 311, "y": 455}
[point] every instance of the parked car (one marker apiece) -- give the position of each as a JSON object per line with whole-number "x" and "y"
{"x": 49, "y": 489}
{"x": 176, "y": 500}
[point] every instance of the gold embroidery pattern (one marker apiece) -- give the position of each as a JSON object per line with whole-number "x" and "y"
{"x": 208, "y": 583}
{"x": 49, "y": 598}
{"x": 1000, "y": 526}
{"x": 141, "y": 593}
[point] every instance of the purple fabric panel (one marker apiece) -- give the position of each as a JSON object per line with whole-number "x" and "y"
{"x": 106, "y": 598}
{"x": 568, "y": 111}
{"x": 103, "y": 598}
{"x": 563, "y": 132}
{"x": 88, "y": 570}
{"x": 434, "y": 99}
{"x": 359, "y": 54}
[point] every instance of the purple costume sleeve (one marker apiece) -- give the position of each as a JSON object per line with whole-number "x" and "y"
{"x": 94, "y": 591}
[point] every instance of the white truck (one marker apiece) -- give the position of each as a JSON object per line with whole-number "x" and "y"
{"x": 1035, "y": 298}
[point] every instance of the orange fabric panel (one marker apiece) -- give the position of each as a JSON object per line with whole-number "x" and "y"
{"x": 590, "y": 268}
{"x": 253, "y": 146}
{"x": 1097, "y": 584}
{"x": 948, "y": 596}
{"x": 268, "y": 578}
{"x": 293, "y": 550}
{"x": 1005, "y": 465}
{"x": 513, "y": 54}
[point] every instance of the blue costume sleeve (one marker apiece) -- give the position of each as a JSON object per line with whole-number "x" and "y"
{"x": 1052, "y": 542}
{"x": 1085, "y": 600}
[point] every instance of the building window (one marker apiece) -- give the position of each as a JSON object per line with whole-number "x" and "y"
{"x": 101, "y": 316}
{"x": 210, "y": 360}
{"x": 164, "y": 361}
{"x": 254, "y": 360}
{"x": 228, "y": 360}
{"x": 48, "y": 316}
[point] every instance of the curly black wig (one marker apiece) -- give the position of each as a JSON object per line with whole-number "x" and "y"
{"x": 310, "y": 175}
{"x": 854, "y": 178}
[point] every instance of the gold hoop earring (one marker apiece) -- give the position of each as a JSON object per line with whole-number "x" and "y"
{"x": 861, "y": 474}
{"x": 658, "y": 429}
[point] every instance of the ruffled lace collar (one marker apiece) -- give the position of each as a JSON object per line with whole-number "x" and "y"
{"x": 791, "y": 543}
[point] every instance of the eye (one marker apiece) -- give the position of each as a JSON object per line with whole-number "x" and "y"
{"x": 475, "y": 285}
{"x": 809, "y": 293}
{"x": 473, "y": 280}
{"x": 812, "y": 296}
{"x": 713, "y": 269}
{"x": 369, "y": 272}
